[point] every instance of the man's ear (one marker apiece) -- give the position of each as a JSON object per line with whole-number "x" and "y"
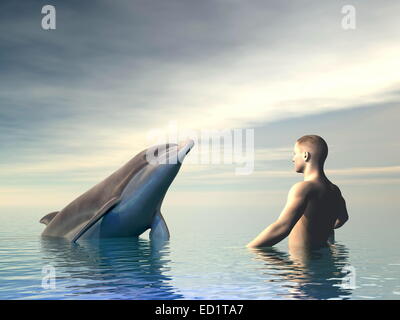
{"x": 306, "y": 156}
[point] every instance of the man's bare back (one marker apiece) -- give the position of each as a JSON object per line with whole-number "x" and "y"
{"x": 325, "y": 208}
{"x": 315, "y": 206}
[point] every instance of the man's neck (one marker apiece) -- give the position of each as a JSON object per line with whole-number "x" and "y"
{"x": 314, "y": 173}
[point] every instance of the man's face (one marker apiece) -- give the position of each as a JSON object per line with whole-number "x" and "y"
{"x": 298, "y": 159}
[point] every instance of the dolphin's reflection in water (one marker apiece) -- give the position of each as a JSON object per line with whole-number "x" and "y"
{"x": 110, "y": 269}
{"x": 307, "y": 274}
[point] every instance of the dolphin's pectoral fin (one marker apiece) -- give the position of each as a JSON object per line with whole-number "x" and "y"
{"x": 159, "y": 229}
{"x": 48, "y": 217}
{"x": 97, "y": 216}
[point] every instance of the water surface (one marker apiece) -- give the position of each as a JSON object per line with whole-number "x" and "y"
{"x": 205, "y": 259}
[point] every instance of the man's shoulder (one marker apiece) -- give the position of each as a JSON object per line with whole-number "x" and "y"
{"x": 302, "y": 188}
{"x": 335, "y": 188}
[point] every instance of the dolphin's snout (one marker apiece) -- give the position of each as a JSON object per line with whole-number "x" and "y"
{"x": 172, "y": 155}
{"x": 184, "y": 148}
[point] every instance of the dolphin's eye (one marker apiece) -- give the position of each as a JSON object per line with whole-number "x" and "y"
{"x": 187, "y": 151}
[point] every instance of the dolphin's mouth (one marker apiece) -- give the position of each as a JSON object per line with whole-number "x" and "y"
{"x": 169, "y": 153}
{"x": 184, "y": 148}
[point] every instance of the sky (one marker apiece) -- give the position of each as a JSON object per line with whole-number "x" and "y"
{"x": 79, "y": 101}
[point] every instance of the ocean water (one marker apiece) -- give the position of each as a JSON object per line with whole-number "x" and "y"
{"x": 205, "y": 258}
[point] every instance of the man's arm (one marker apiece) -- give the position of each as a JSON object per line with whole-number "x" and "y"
{"x": 343, "y": 216}
{"x": 280, "y": 229}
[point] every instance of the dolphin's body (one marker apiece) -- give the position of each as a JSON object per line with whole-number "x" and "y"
{"x": 125, "y": 204}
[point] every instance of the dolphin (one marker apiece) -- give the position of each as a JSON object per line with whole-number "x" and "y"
{"x": 126, "y": 203}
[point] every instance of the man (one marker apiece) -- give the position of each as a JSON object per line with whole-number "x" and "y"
{"x": 314, "y": 206}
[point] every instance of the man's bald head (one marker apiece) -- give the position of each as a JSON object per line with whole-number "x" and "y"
{"x": 316, "y": 146}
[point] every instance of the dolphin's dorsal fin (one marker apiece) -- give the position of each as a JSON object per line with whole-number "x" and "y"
{"x": 159, "y": 229}
{"x": 48, "y": 217}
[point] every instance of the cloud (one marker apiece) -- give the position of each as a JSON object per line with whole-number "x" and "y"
{"x": 366, "y": 171}
{"x": 358, "y": 175}
{"x": 51, "y": 198}
{"x": 370, "y": 182}
{"x": 214, "y": 64}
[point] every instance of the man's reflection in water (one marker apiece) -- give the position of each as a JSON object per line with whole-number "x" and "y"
{"x": 308, "y": 274}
